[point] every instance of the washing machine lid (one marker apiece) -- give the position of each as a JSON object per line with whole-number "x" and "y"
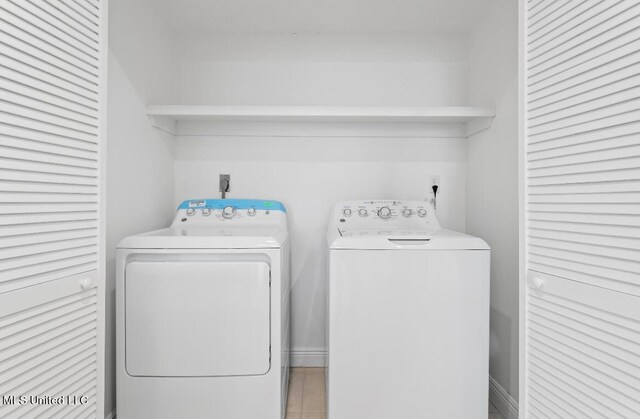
{"x": 404, "y": 240}
{"x": 207, "y": 238}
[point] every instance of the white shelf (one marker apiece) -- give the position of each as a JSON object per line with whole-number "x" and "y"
{"x": 474, "y": 119}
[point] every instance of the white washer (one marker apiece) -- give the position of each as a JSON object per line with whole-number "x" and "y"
{"x": 408, "y": 304}
{"x": 203, "y": 314}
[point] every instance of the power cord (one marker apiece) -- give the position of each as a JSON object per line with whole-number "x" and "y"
{"x": 435, "y": 192}
{"x": 225, "y": 189}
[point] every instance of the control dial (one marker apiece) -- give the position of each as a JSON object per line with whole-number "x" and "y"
{"x": 422, "y": 212}
{"x": 251, "y": 211}
{"x": 346, "y": 212}
{"x": 191, "y": 211}
{"x": 384, "y": 213}
{"x": 363, "y": 212}
{"x": 228, "y": 212}
{"x": 206, "y": 212}
{"x": 407, "y": 212}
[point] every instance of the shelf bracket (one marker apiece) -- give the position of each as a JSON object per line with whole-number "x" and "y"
{"x": 164, "y": 123}
{"x": 476, "y": 126}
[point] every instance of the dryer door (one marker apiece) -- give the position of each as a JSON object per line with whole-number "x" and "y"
{"x": 197, "y": 318}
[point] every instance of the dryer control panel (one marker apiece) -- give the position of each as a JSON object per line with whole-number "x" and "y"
{"x": 236, "y": 212}
{"x": 385, "y": 218}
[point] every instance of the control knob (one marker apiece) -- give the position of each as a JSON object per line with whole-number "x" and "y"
{"x": 422, "y": 212}
{"x": 407, "y": 212}
{"x": 206, "y": 212}
{"x": 191, "y": 211}
{"x": 384, "y": 213}
{"x": 346, "y": 212}
{"x": 363, "y": 212}
{"x": 251, "y": 211}
{"x": 228, "y": 212}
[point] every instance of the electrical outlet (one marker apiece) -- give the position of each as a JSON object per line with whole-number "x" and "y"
{"x": 434, "y": 180}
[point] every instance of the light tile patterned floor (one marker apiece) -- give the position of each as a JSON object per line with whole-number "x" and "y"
{"x": 307, "y": 395}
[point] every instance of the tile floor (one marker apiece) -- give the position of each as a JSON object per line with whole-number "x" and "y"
{"x": 307, "y": 395}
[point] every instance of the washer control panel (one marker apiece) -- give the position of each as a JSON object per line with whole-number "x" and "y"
{"x": 385, "y": 218}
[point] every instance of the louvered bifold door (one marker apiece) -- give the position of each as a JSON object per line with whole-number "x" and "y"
{"x": 52, "y": 104}
{"x": 580, "y": 355}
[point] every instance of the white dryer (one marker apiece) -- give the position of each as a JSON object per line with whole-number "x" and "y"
{"x": 203, "y": 314}
{"x": 408, "y": 304}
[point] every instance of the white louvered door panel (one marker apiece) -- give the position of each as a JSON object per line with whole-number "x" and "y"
{"x": 580, "y": 346}
{"x": 583, "y": 350}
{"x": 52, "y": 108}
{"x": 48, "y": 347}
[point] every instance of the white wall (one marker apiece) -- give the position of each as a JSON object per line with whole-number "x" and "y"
{"x": 492, "y": 178}
{"x": 140, "y": 182}
{"x": 310, "y": 69}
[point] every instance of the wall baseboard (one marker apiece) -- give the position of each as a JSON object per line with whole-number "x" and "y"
{"x": 309, "y": 357}
{"x": 111, "y": 415}
{"x": 502, "y": 400}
